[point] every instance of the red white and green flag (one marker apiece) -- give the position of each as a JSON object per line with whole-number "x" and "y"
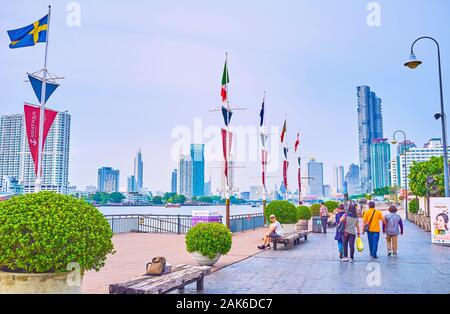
{"x": 225, "y": 81}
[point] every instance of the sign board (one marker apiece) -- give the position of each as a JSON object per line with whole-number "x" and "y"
{"x": 439, "y": 211}
{"x": 204, "y": 213}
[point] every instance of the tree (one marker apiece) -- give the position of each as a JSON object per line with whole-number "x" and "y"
{"x": 382, "y": 191}
{"x": 331, "y": 205}
{"x": 157, "y": 200}
{"x": 116, "y": 197}
{"x": 167, "y": 196}
{"x": 101, "y": 197}
{"x": 421, "y": 170}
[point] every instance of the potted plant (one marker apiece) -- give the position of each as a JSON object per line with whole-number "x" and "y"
{"x": 413, "y": 208}
{"x": 47, "y": 242}
{"x": 304, "y": 215}
{"x": 207, "y": 242}
{"x": 286, "y": 214}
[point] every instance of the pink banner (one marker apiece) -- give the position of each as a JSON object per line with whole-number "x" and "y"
{"x": 263, "y": 166}
{"x": 285, "y": 169}
{"x": 32, "y": 118}
{"x": 227, "y": 138}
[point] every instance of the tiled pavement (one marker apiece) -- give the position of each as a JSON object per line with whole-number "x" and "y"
{"x": 314, "y": 267}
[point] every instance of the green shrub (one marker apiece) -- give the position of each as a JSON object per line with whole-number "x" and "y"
{"x": 46, "y": 231}
{"x": 304, "y": 213}
{"x": 413, "y": 206}
{"x": 209, "y": 239}
{"x": 315, "y": 209}
{"x": 285, "y": 212}
{"x": 331, "y": 205}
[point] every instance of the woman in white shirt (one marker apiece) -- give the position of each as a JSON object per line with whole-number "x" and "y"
{"x": 275, "y": 231}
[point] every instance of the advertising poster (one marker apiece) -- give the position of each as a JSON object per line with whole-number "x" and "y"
{"x": 439, "y": 210}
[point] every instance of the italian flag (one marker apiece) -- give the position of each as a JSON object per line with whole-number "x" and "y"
{"x": 225, "y": 81}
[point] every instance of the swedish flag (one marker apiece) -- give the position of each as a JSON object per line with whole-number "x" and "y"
{"x": 29, "y": 35}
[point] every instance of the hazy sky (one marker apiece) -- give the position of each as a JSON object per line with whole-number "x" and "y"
{"x": 137, "y": 70}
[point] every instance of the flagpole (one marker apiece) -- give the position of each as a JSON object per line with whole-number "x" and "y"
{"x": 286, "y": 159}
{"x": 263, "y": 170}
{"x": 228, "y": 148}
{"x": 38, "y": 183}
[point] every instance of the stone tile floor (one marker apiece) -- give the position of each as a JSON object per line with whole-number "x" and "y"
{"x": 314, "y": 267}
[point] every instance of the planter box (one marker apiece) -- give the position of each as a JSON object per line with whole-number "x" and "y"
{"x": 47, "y": 283}
{"x": 202, "y": 260}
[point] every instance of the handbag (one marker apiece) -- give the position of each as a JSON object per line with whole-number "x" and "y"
{"x": 366, "y": 227}
{"x": 156, "y": 267}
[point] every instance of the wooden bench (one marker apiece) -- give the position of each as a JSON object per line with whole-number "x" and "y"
{"x": 181, "y": 276}
{"x": 289, "y": 239}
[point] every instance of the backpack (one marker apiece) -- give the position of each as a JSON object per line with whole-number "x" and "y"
{"x": 392, "y": 227}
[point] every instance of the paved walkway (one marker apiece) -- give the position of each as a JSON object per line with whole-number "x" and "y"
{"x": 314, "y": 267}
{"x": 134, "y": 250}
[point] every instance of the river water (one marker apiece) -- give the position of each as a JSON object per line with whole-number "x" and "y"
{"x": 184, "y": 210}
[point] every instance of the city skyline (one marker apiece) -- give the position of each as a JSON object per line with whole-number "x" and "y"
{"x": 195, "y": 48}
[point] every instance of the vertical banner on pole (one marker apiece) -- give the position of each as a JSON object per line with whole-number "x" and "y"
{"x": 227, "y": 138}
{"x": 263, "y": 168}
{"x": 32, "y": 122}
{"x": 285, "y": 170}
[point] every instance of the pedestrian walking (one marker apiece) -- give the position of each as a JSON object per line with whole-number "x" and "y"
{"x": 371, "y": 225}
{"x": 324, "y": 217}
{"x": 351, "y": 231}
{"x": 340, "y": 211}
{"x": 392, "y": 228}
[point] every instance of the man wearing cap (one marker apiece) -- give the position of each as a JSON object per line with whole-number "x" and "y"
{"x": 275, "y": 231}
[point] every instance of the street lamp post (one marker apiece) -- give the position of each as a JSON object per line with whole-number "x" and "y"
{"x": 405, "y": 171}
{"x": 414, "y": 63}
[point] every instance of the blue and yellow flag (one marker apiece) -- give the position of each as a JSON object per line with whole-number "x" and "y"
{"x": 29, "y": 35}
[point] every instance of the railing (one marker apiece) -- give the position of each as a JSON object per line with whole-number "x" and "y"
{"x": 179, "y": 224}
{"x": 241, "y": 223}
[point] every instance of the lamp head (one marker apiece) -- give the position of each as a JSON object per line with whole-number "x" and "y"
{"x": 437, "y": 116}
{"x": 413, "y": 63}
{"x": 394, "y": 142}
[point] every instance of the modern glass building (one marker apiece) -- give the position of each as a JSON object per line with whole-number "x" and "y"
{"x": 198, "y": 169}
{"x": 185, "y": 176}
{"x": 139, "y": 170}
{"x": 15, "y": 155}
{"x": 131, "y": 184}
{"x": 352, "y": 179}
{"x": 173, "y": 183}
{"x": 315, "y": 178}
{"x": 108, "y": 180}
{"x": 370, "y": 127}
{"x": 403, "y": 147}
{"x": 380, "y": 155}
{"x": 338, "y": 179}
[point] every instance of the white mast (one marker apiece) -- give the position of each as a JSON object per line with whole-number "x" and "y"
{"x": 38, "y": 183}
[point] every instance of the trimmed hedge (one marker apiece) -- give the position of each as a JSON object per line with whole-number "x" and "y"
{"x": 304, "y": 213}
{"x": 44, "y": 232}
{"x": 285, "y": 212}
{"x": 331, "y": 205}
{"x": 315, "y": 209}
{"x": 209, "y": 239}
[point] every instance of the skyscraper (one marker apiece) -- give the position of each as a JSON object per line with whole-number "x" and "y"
{"x": 198, "y": 169}
{"x": 370, "y": 127}
{"x": 139, "y": 170}
{"x": 380, "y": 155}
{"x": 338, "y": 179}
{"x": 315, "y": 177}
{"x": 16, "y": 160}
{"x": 131, "y": 184}
{"x": 108, "y": 180}
{"x": 352, "y": 179}
{"x": 185, "y": 176}
{"x": 174, "y": 181}
{"x": 208, "y": 186}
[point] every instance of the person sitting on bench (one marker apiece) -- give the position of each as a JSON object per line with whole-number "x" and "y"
{"x": 275, "y": 231}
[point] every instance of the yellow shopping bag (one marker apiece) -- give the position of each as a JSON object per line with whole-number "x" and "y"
{"x": 359, "y": 244}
